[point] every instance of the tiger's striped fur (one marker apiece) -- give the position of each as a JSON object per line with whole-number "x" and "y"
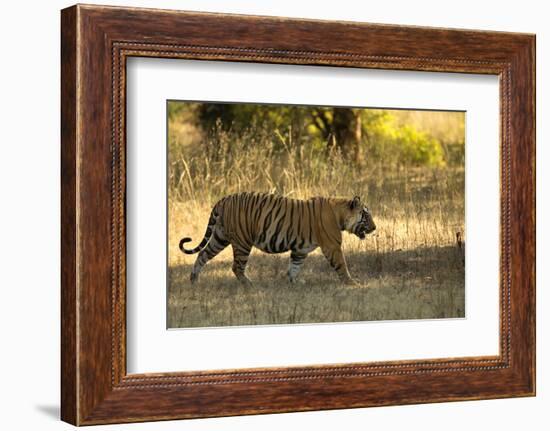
{"x": 276, "y": 224}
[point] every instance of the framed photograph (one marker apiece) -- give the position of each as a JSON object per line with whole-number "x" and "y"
{"x": 266, "y": 215}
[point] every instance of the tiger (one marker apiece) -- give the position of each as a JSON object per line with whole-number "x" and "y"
{"x": 277, "y": 224}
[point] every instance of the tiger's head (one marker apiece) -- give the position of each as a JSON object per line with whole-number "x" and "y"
{"x": 358, "y": 219}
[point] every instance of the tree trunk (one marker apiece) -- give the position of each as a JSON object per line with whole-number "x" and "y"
{"x": 347, "y": 132}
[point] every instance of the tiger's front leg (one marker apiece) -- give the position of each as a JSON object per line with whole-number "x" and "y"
{"x": 296, "y": 261}
{"x": 335, "y": 257}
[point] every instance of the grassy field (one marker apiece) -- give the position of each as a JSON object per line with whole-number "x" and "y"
{"x": 410, "y": 268}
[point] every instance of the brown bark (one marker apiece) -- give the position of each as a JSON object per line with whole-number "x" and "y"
{"x": 347, "y": 132}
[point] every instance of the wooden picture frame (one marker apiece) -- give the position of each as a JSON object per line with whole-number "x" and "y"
{"x": 95, "y": 43}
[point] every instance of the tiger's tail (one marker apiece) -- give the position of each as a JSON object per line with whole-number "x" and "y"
{"x": 206, "y": 238}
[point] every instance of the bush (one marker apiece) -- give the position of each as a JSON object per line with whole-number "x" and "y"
{"x": 393, "y": 144}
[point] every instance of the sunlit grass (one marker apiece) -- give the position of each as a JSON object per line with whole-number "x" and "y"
{"x": 410, "y": 268}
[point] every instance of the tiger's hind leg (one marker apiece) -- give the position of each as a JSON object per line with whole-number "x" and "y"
{"x": 216, "y": 244}
{"x": 240, "y": 259}
{"x": 296, "y": 261}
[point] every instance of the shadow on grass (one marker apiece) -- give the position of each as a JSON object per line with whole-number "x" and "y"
{"x": 426, "y": 282}
{"x": 434, "y": 262}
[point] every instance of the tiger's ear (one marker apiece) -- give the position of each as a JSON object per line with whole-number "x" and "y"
{"x": 355, "y": 203}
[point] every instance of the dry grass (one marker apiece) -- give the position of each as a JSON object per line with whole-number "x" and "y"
{"x": 411, "y": 268}
{"x": 420, "y": 284}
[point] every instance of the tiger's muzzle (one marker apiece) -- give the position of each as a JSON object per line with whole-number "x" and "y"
{"x": 365, "y": 225}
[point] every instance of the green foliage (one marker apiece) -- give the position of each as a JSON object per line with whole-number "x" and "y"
{"x": 240, "y": 118}
{"x": 402, "y": 145}
{"x": 384, "y": 137}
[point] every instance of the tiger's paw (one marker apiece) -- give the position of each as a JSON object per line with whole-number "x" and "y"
{"x": 296, "y": 281}
{"x": 351, "y": 282}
